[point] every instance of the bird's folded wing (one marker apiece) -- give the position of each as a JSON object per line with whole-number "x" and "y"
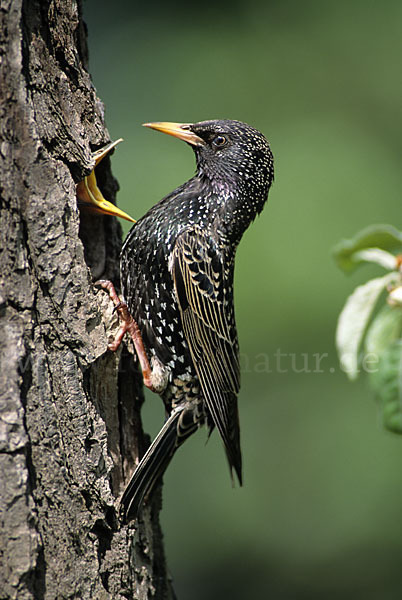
{"x": 200, "y": 281}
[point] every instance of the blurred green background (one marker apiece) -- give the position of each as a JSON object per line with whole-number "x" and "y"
{"x": 319, "y": 515}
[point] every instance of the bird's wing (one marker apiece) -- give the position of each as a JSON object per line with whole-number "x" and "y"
{"x": 204, "y": 292}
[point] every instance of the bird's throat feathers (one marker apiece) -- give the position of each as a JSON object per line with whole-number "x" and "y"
{"x": 234, "y": 204}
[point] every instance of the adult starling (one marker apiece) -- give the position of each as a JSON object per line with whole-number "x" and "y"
{"x": 177, "y": 267}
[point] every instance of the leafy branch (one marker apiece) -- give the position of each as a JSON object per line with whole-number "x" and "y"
{"x": 369, "y": 341}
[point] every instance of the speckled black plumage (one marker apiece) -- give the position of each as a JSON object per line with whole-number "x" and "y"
{"x": 177, "y": 278}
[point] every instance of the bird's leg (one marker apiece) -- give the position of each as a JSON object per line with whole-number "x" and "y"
{"x": 129, "y": 325}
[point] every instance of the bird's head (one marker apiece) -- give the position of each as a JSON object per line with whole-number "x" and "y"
{"x": 228, "y": 152}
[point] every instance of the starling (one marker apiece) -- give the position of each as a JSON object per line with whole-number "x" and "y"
{"x": 177, "y": 267}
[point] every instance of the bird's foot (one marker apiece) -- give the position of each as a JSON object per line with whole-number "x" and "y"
{"x": 128, "y": 325}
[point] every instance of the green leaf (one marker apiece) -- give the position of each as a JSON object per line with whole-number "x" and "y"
{"x": 395, "y": 296}
{"x": 387, "y": 383}
{"x": 354, "y": 319}
{"x": 376, "y": 255}
{"x": 382, "y": 237}
{"x": 384, "y": 331}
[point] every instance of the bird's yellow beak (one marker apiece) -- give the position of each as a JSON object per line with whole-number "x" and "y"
{"x": 89, "y": 195}
{"x": 178, "y": 130}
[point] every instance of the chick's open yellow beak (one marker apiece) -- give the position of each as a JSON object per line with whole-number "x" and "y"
{"x": 89, "y": 195}
{"x": 178, "y": 130}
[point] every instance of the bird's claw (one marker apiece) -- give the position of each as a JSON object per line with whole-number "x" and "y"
{"x": 128, "y": 325}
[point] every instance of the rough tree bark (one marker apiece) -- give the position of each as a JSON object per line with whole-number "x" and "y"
{"x": 70, "y": 429}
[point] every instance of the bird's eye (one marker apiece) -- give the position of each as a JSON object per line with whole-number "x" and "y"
{"x": 219, "y": 141}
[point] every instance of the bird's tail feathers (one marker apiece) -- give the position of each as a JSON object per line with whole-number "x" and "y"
{"x": 152, "y": 465}
{"x": 178, "y": 427}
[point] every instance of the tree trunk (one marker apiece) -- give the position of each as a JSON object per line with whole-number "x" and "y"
{"x": 70, "y": 429}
